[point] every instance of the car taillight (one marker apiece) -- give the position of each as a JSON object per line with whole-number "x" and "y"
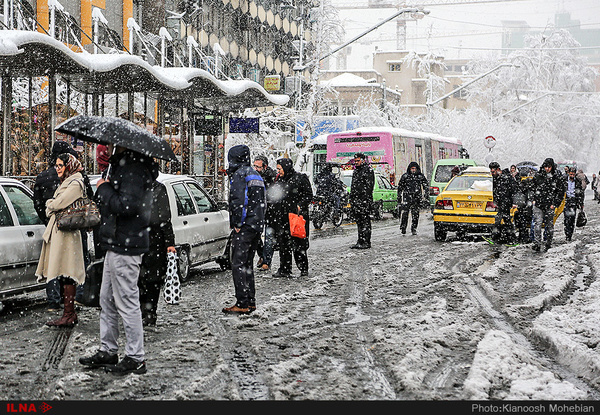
{"x": 434, "y": 191}
{"x": 445, "y": 204}
{"x": 491, "y": 207}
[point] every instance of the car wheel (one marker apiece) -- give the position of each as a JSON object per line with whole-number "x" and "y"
{"x": 439, "y": 233}
{"x": 184, "y": 264}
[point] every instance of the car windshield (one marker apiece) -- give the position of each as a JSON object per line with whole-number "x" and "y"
{"x": 471, "y": 183}
{"x": 443, "y": 173}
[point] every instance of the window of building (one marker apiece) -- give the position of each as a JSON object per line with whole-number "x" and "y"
{"x": 394, "y": 67}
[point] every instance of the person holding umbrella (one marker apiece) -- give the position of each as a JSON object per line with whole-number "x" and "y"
{"x": 125, "y": 201}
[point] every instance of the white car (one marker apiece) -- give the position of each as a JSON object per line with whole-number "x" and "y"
{"x": 200, "y": 225}
{"x": 21, "y": 233}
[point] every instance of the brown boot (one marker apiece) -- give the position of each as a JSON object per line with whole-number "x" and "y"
{"x": 69, "y": 317}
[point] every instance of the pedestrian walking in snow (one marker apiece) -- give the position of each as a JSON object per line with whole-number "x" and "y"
{"x": 291, "y": 193}
{"x": 45, "y": 185}
{"x": 361, "y": 199}
{"x": 61, "y": 257}
{"x": 549, "y": 190}
{"x": 247, "y": 205}
{"x": 504, "y": 193}
{"x": 595, "y": 185}
{"x": 413, "y": 189}
{"x": 155, "y": 261}
{"x": 125, "y": 203}
{"x": 574, "y": 201}
{"x": 266, "y": 249}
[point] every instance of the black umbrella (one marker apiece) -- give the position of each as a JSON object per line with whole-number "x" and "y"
{"x": 117, "y": 131}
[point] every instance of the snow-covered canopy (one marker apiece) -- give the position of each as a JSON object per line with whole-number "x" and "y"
{"x": 26, "y": 53}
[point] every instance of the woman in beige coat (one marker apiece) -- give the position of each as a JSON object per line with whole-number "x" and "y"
{"x": 62, "y": 251}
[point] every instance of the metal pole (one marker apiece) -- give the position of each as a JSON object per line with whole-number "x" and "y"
{"x": 468, "y": 83}
{"x": 401, "y": 11}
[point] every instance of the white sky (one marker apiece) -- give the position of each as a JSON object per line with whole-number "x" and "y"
{"x": 457, "y": 30}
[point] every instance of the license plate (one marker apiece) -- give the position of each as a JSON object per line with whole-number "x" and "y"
{"x": 469, "y": 205}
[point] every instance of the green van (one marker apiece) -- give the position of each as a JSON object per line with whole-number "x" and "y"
{"x": 442, "y": 173}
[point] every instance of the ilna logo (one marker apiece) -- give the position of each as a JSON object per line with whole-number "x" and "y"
{"x": 27, "y": 407}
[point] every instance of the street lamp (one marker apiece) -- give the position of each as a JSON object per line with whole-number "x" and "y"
{"x": 431, "y": 103}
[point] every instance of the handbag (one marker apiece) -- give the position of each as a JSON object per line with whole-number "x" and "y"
{"x": 172, "y": 288}
{"x": 581, "y": 219}
{"x": 81, "y": 214}
{"x": 297, "y": 226}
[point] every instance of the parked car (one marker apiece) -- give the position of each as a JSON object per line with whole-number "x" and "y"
{"x": 200, "y": 225}
{"x": 385, "y": 195}
{"x": 466, "y": 204}
{"x": 442, "y": 173}
{"x": 21, "y": 233}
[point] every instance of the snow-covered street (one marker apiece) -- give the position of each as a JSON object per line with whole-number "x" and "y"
{"x": 410, "y": 319}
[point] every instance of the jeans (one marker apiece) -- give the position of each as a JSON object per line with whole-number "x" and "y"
{"x": 269, "y": 245}
{"x": 243, "y": 246}
{"x": 54, "y": 292}
{"x": 543, "y": 216}
{"x": 570, "y": 213}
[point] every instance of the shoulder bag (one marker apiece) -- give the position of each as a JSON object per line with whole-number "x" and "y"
{"x": 81, "y": 214}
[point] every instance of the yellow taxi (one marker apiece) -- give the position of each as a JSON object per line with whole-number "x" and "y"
{"x": 466, "y": 205}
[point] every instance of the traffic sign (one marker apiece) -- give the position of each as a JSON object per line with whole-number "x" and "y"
{"x": 489, "y": 142}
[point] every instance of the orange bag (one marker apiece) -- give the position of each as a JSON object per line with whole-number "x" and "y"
{"x": 297, "y": 224}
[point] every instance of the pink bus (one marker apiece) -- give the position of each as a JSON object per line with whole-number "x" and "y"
{"x": 390, "y": 150}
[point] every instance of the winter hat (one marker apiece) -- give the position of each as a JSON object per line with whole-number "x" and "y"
{"x": 286, "y": 164}
{"x": 237, "y": 157}
{"x": 102, "y": 156}
{"x": 549, "y": 162}
{"x": 360, "y": 156}
{"x": 494, "y": 165}
{"x": 60, "y": 147}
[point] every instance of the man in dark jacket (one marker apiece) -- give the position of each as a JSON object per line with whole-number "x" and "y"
{"x": 549, "y": 185}
{"x": 154, "y": 262}
{"x": 291, "y": 193}
{"x": 361, "y": 199}
{"x": 125, "y": 203}
{"x": 247, "y": 206}
{"x": 574, "y": 200}
{"x": 46, "y": 184}
{"x": 413, "y": 188}
{"x": 265, "y": 251}
{"x": 504, "y": 193}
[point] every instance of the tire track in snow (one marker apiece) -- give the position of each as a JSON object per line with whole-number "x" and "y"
{"x": 378, "y": 379}
{"x": 498, "y": 320}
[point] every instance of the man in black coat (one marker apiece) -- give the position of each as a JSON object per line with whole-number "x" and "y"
{"x": 549, "y": 191}
{"x": 413, "y": 188}
{"x": 155, "y": 261}
{"x": 46, "y": 184}
{"x": 125, "y": 203}
{"x": 291, "y": 193}
{"x": 574, "y": 200}
{"x": 361, "y": 199}
{"x": 504, "y": 193}
{"x": 247, "y": 205}
{"x": 265, "y": 251}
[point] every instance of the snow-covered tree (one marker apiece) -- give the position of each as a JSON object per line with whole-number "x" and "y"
{"x": 542, "y": 106}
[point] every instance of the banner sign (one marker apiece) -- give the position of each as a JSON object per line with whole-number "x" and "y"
{"x": 243, "y": 125}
